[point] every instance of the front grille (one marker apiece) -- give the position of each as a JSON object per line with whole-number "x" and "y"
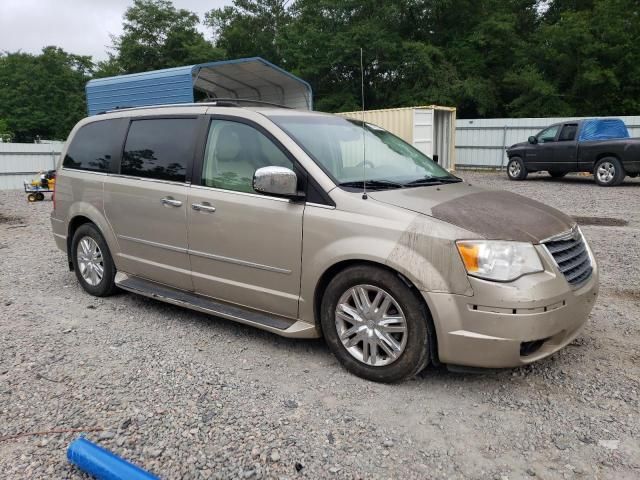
{"x": 570, "y": 253}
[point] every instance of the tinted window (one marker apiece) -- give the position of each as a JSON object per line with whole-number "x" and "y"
{"x": 234, "y": 152}
{"x": 159, "y": 148}
{"x": 568, "y": 133}
{"x": 94, "y": 145}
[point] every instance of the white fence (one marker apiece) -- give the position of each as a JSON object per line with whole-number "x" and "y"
{"x": 482, "y": 143}
{"x": 21, "y": 161}
{"x": 479, "y": 144}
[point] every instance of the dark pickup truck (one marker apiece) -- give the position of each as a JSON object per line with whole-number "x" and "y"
{"x": 598, "y": 146}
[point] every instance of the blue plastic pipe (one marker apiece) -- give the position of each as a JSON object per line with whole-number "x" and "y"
{"x": 102, "y": 464}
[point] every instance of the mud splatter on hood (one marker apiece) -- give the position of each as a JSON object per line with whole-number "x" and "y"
{"x": 493, "y": 214}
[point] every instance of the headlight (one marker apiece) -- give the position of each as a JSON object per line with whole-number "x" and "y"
{"x": 499, "y": 260}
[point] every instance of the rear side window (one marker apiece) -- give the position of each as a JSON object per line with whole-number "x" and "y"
{"x": 568, "y": 132}
{"x": 159, "y": 148}
{"x": 94, "y": 146}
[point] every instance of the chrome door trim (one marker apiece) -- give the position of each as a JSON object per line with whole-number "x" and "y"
{"x": 222, "y": 190}
{"x": 237, "y": 261}
{"x": 320, "y": 205}
{"x": 154, "y": 244}
{"x": 147, "y": 179}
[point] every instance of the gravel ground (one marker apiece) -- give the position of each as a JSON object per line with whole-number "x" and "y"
{"x": 186, "y": 395}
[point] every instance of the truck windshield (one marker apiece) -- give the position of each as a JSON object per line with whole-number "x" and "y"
{"x": 342, "y": 147}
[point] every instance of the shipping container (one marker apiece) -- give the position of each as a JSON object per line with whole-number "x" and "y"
{"x": 431, "y": 129}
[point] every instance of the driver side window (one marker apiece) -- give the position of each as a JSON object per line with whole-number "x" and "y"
{"x": 234, "y": 152}
{"x": 548, "y": 134}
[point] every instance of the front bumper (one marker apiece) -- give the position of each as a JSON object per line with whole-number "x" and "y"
{"x": 511, "y": 324}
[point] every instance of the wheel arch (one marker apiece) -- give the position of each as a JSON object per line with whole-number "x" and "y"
{"x": 336, "y": 268}
{"x": 74, "y": 224}
{"x": 602, "y": 156}
{"x": 83, "y": 214}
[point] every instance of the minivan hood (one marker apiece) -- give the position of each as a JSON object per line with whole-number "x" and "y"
{"x": 493, "y": 214}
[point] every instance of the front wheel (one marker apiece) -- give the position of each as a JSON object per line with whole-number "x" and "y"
{"x": 375, "y": 325}
{"x": 516, "y": 169}
{"x": 92, "y": 261}
{"x": 608, "y": 172}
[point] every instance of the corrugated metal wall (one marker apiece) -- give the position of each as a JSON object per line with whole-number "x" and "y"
{"x": 481, "y": 143}
{"x": 21, "y": 161}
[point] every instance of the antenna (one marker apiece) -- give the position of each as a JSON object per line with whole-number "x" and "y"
{"x": 364, "y": 132}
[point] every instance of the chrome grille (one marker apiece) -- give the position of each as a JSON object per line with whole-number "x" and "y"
{"x": 571, "y": 256}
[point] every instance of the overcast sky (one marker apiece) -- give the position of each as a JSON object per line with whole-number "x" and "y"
{"x": 78, "y": 26}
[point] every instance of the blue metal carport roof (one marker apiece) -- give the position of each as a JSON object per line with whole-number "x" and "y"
{"x": 247, "y": 78}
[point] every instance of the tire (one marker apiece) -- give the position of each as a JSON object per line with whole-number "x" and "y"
{"x": 39, "y": 196}
{"x": 608, "y": 172}
{"x": 516, "y": 169}
{"x": 32, "y": 198}
{"x": 410, "y": 347}
{"x": 557, "y": 174}
{"x": 86, "y": 273}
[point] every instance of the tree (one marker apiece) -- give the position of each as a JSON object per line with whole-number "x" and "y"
{"x": 43, "y": 95}
{"x": 250, "y": 28}
{"x": 5, "y": 134}
{"x": 157, "y": 35}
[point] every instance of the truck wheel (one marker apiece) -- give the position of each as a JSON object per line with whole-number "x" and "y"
{"x": 516, "y": 169}
{"x": 375, "y": 325}
{"x": 92, "y": 261}
{"x": 557, "y": 174}
{"x": 608, "y": 172}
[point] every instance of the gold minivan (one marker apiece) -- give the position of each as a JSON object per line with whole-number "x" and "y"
{"x": 307, "y": 224}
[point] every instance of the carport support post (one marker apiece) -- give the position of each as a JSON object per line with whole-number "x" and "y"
{"x": 504, "y": 146}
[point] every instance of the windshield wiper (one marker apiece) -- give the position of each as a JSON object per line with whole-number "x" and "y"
{"x": 372, "y": 184}
{"x": 426, "y": 181}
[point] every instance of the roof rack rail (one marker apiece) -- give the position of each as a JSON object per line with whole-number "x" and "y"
{"x": 235, "y": 102}
{"x": 217, "y": 102}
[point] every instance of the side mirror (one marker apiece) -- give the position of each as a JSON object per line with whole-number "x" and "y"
{"x": 279, "y": 181}
{"x": 533, "y": 140}
{"x": 435, "y": 158}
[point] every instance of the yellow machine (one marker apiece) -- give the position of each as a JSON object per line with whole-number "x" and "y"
{"x": 43, "y": 182}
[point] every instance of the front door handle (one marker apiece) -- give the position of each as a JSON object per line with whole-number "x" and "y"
{"x": 203, "y": 207}
{"x": 171, "y": 202}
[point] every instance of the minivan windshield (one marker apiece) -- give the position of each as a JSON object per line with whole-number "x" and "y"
{"x": 342, "y": 147}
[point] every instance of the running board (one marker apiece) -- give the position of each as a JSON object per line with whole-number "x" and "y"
{"x": 201, "y": 303}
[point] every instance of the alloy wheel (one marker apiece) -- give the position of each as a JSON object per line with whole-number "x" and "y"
{"x": 514, "y": 169}
{"x": 90, "y": 262}
{"x": 606, "y": 171}
{"x": 371, "y": 325}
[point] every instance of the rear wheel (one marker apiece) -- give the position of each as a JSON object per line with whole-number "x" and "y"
{"x": 375, "y": 325}
{"x": 608, "y": 172}
{"x": 92, "y": 261}
{"x": 39, "y": 196}
{"x": 516, "y": 169}
{"x": 557, "y": 174}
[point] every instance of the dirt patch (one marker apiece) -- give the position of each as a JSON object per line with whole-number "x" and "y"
{"x": 601, "y": 221}
{"x": 10, "y": 219}
{"x": 633, "y": 295}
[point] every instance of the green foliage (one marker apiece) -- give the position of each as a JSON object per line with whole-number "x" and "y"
{"x": 42, "y": 95}
{"x": 157, "y": 35}
{"x": 488, "y": 58}
{"x": 6, "y": 135}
